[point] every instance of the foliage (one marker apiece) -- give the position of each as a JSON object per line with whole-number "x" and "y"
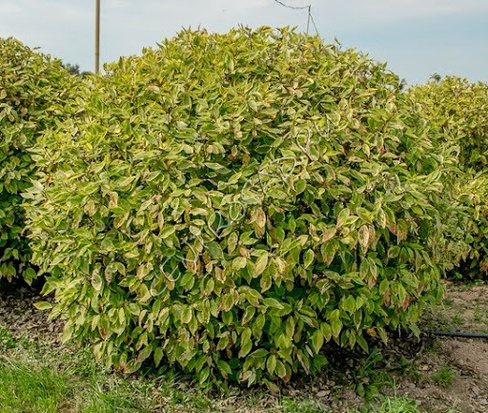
{"x": 33, "y": 90}
{"x": 457, "y": 108}
{"x": 228, "y": 204}
{"x": 472, "y": 232}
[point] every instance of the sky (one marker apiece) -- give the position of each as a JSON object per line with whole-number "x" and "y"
{"x": 417, "y": 38}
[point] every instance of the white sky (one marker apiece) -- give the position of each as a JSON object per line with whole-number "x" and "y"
{"x": 416, "y": 37}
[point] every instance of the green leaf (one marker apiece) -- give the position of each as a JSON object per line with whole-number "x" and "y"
{"x": 43, "y": 305}
{"x": 317, "y": 341}
{"x": 260, "y": 264}
{"x": 300, "y": 186}
{"x": 342, "y": 217}
{"x": 362, "y": 342}
{"x": 224, "y": 368}
{"x": 381, "y": 217}
{"x": 215, "y": 250}
{"x": 280, "y": 369}
{"x": 273, "y": 303}
{"x": 248, "y": 314}
{"x": 349, "y": 304}
{"x": 363, "y": 238}
{"x": 329, "y": 233}
{"x": 158, "y": 356}
{"x": 246, "y": 343}
{"x": 232, "y": 242}
{"x": 308, "y": 258}
{"x": 144, "y": 354}
{"x": 335, "y": 323}
{"x": 271, "y": 364}
{"x": 186, "y": 315}
{"x": 239, "y": 263}
{"x": 384, "y": 286}
{"x": 167, "y": 232}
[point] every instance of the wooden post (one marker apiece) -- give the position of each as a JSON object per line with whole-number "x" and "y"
{"x": 97, "y": 36}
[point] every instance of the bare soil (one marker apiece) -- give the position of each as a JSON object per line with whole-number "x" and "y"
{"x": 440, "y": 373}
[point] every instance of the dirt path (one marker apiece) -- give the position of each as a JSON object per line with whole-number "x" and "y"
{"x": 439, "y": 373}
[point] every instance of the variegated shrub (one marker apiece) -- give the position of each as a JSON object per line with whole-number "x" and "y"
{"x": 457, "y": 110}
{"x": 34, "y": 93}
{"x": 230, "y": 203}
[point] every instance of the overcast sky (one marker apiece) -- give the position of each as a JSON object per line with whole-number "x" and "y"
{"x": 416, "y": 37}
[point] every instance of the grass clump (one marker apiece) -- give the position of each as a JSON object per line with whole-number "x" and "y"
{"x": 444, "y": 377}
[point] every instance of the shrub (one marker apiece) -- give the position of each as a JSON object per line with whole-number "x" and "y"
{"x": 33, "y": 89}
{"x": 230, "y": 203}
{"x": 457, "y": 109}
{"x": 470, "y": 227}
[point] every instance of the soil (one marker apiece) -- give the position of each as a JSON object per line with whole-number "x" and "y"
{"x": 22, "y": 319}
{"x": 442, "y": 374}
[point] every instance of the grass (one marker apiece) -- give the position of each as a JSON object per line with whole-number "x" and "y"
{"x": 397, "y": 405}
{"x": 303, "y": 406}
{"x": 29, "y": 386}
{"x": 28, "y": 389}
{"x": 38, "y": 379}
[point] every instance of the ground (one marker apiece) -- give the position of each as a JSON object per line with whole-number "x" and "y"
{"x": 437, "y": 374}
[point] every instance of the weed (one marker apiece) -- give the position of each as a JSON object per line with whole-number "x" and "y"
{"x": 7, "y": 341}
{"x": 444, "y": 376}
{"x": 457, "y": 319}
{"x": 370, "y": 375}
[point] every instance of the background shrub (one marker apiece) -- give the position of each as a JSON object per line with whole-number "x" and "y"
{"x": 230, "y": 203}
{"x": 469, "y": 227}
{"x": 34, "y": 90}
{"x": 456, "y": 109}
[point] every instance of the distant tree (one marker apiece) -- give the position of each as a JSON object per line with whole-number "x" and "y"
{"x": 436, "y": 77}
{"x": 74, "y": 69}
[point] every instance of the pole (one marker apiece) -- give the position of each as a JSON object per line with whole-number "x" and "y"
{"x": 97, "y": 36}
{"x": 308, "y": 19}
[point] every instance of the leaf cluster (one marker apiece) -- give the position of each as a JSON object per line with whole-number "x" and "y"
{"x": 457, "y": 109}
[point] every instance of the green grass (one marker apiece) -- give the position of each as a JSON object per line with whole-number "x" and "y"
{"x": 31, "y": 386}
{"x": 303, "y": 406}
{"x": 35, "y": 378}
{"x": 393, "y": 405}
{"x": 24, "y": 388}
